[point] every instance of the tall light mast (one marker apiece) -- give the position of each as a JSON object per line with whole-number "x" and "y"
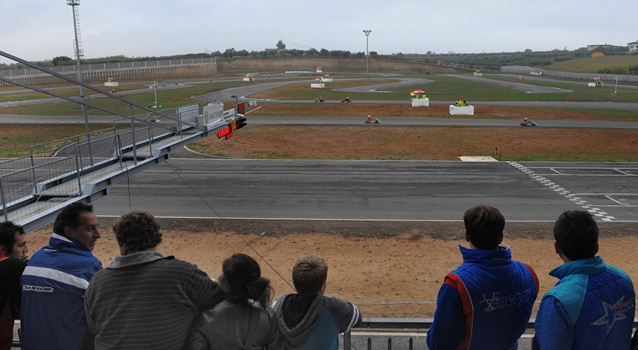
{"x": 367, "y": 33}
{"x": 80, "y": 53}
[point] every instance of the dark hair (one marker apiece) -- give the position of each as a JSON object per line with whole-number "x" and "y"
{"x": 576, "y": 233}
{"x": 69, "y": 216}
{"x": 484, "y": 225}
{"x": 242, "y": 275}
{"x": 7, "y": 235}
{"x": 137, "y": 231}
{"x": 309, "y": 274}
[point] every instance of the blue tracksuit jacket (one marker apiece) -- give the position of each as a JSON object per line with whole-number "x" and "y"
{"x": 591, "y": 307}
{"x": 53, "y": 284}
{"x": 485, "y": 303}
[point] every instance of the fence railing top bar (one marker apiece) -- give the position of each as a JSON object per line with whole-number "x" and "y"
{"x": 103, "y": 131}
{"x": 13, "y": 160}
{"x": 74, "y": 81}
{"x": 417, "y": 323}
{"x": 36, "y": 166}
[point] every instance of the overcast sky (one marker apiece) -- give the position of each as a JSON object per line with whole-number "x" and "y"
{"x": 42, "y": 29}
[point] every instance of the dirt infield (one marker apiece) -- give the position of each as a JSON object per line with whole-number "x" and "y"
{"x": 389, "y": 269}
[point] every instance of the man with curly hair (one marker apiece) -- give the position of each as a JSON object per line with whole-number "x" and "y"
{"x": 145, "y": 300}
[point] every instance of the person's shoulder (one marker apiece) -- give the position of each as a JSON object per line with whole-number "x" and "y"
{"x": 620, "y": 273}
{"x": 331, "y": 302}
{"x": 13, "y": 264}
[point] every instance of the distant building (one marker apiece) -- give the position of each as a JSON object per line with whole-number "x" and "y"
{"x": 633, "y": 46}
{"x": 603, "y": 46}
{"x": 275, "y": 50}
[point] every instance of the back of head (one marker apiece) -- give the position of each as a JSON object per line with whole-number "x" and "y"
{"x": 576, "y": 233}
{"x": 69, "y": 216}
{"x": 243, "y": 281}
{"x": 137, "y": 231}
{"x": 309, "y": 274}
{"x": 484, "y": 225}
{"x": 7, "y": 235}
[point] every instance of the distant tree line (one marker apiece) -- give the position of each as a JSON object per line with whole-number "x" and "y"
{"x": 492, "y": 61}
{"x": 487, "y": 61}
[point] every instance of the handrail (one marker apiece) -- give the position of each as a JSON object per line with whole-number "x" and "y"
{"x": 406, "y": 323}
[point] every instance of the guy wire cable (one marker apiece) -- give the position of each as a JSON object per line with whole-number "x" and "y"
{"x": 236, "y": 233}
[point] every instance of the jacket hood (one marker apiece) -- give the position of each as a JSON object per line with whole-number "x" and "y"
{"x": 297, "y": 336}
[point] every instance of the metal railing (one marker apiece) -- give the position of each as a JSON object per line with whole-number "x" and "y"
{"x": 55, "y": 172}
{"x": 398, "y": 324}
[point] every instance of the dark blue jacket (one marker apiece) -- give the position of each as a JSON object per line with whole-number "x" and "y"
{"x": 591, "y": 307}
{"x": 485, "y": 303}
{"x": 53, "y": 285}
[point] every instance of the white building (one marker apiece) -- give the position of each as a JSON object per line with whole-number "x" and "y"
{"x": 633, "y": 46}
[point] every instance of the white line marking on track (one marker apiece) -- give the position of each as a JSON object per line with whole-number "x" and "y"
{"x": 563, "y": 192}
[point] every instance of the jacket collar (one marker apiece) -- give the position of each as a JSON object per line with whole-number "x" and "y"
{"x": 591, "y": 266}
{"x": 502, "y": 256}
{"x": 58, "y": 241}
{"x": 138, "y": 258}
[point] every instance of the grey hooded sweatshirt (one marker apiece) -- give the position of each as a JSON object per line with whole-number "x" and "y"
{"x": 314, "y": 322}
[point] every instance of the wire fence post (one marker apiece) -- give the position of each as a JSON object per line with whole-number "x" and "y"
{"x": 78, "y": 166}
{"x": 4, "y": 202}
{"x": 35, "y": 184}
{"x": 133, "y": 135}
{"x": 150, "y": 140}
{"x": 347, "y": 340}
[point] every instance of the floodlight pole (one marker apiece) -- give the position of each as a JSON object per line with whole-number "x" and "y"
{"x": 367, "y": 33}
{"x": 78, "y": 54}
{"x": 155, "y": 88}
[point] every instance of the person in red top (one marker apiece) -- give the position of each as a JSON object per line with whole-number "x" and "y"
{"x": 13, "y": 260}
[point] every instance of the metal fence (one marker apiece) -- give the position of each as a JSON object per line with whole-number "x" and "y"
{"x": 569, "y": 75}
{"x": 92, "y": 67}
{"x": 61, "y": 168}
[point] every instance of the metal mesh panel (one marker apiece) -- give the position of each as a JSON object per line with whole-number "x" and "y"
{"x": 11, "y": 165}
{"x": 64, "y": 147}
{"x": 29, "y": 184}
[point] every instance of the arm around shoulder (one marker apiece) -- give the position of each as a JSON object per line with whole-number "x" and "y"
{"x": 202, "y": 290}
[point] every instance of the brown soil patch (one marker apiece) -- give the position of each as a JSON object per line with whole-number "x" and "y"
{"x": 434, "y": 111}
{"x": 387, "y": 269}
{"x": 418, "y": 143}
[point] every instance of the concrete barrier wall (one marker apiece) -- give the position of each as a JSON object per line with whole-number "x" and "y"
{"x": 142, "y": 70}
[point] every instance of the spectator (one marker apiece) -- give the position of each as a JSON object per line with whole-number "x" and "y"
{"x": 54, "y": 282}
{"x": 13, "y": 260}
{"x": 237, "y": 323}
{"x": 308, "y": 319}
{"x": 592, "y": 306}
{"x": 487, "y": 301}
{"x": 145, "y": 300}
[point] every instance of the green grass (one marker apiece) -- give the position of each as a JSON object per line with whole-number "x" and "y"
{"x": 167, "y": 99}
{"x": 450, "y": 88}
{"x": 593, "y": 65}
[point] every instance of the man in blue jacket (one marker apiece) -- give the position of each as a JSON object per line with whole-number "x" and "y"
{"x": 593, "y": 304}
{"x": 486, "y": 302}
{"x": 53, "y": 284}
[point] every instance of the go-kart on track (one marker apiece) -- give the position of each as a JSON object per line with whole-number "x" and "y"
{"x": 208, "y": 187}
